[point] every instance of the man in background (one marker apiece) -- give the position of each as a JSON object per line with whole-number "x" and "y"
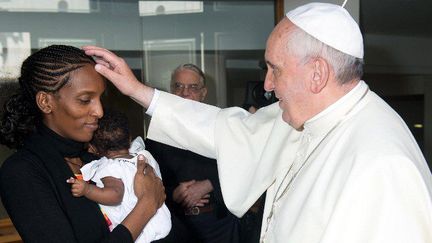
{"x": 191, "y": 180}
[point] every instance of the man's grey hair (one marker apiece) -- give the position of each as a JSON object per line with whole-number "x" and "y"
{"x": 188, "y": 66}
{"x": 304, "y": 46}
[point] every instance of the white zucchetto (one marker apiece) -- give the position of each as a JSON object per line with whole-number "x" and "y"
{"x": 330, "y": 24}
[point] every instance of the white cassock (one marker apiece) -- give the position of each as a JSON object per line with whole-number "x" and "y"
{"x": 354, "y": 174}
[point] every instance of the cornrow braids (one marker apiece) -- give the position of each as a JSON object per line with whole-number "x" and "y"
{"x": 45, "y": 70}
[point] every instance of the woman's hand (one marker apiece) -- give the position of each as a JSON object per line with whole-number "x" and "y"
{"x": 147, "y": 185}
{"x": 118, "y": 72}
{"x": 151, "y": 195}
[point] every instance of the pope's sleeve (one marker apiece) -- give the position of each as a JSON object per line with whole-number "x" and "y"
{"x": 249, "y": 150}
{"x": 233, "y": 136}
{"x": 184, "y": 124}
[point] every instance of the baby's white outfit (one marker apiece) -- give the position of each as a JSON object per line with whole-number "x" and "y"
{"x": 160, "y": 225}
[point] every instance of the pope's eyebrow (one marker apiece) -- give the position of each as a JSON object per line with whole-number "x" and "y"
{"x": 270, "y": 64}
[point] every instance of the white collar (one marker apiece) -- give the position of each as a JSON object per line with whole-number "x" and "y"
{"x": 329, "y": 117}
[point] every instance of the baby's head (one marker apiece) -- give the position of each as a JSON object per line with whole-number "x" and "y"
{"x": 112, "y": 134}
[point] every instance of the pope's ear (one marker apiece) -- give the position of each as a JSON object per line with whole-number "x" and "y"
{"x": 44, "y": 101}
{"x": 320, "y": 74}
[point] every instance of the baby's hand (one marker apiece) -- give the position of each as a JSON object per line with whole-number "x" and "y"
{"x": 79, "y": 187}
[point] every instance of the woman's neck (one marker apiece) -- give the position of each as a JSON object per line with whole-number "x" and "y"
{"x": 74, "y": 164}
{"x": 68, "y": 148}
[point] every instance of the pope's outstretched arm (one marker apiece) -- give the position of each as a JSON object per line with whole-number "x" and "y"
{"x": 118, "y": 72}
{"x": 247, "y": 148}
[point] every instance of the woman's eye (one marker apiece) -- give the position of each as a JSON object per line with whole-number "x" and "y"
{"x": 84, "y": 101}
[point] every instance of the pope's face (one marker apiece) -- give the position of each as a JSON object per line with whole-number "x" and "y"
{"x": 187, "y": 84}
{"x": 76, "y": 107}
{"x": 286, "y": 76}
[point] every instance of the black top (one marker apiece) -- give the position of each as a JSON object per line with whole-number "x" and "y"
{"x": 178, "y": 165}
{"x": 36, "y": 196}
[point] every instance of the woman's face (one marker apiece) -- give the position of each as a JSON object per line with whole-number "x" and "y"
{"x": 76, "y": 107}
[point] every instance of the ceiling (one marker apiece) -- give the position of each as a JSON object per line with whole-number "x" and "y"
{"x": 396, "y": 17}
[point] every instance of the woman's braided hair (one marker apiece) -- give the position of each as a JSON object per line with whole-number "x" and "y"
{"x": 45, "y": 70}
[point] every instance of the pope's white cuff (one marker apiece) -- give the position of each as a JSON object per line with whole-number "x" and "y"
{"x": 153, "y": 103}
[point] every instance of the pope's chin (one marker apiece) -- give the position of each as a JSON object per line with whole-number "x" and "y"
{"x": 286, "y": 118}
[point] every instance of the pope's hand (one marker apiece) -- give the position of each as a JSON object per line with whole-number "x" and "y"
{"x": 118, "y": 72}
{"x": 113, "y": 68}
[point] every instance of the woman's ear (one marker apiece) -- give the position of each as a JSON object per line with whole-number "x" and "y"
{"x": 44, "y": 101}
{"x": 320, "y": 74}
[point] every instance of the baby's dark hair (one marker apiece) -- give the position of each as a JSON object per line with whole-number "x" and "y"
{"x": 45, "y": 70}
{"x": 112, "y": 134}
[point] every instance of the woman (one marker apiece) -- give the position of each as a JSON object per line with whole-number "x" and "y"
{"x": 51, "y": 118}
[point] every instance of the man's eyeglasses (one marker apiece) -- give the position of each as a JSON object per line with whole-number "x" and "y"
{"x": 177, "y": 87}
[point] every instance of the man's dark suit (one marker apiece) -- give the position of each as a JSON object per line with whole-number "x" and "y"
{"x": 177, "y": 165}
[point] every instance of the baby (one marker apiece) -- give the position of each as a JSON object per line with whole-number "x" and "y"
{"x": 114, "y": 173}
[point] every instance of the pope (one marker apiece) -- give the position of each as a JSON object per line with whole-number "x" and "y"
{"x": 339, "y": 165}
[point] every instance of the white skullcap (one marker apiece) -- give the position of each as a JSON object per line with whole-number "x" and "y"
{"x": 330, "y": 24}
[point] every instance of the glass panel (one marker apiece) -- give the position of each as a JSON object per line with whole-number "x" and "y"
{"x": 75, "y": 6}
{"x": 14, "y": 48}
{"x": 225, "y": 38}
{"x": 147, "y": 8}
